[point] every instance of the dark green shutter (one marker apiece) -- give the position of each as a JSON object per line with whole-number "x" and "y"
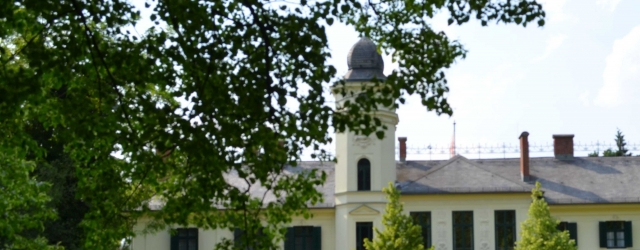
{"x": 289, "y": 239}
{"x": 573, "y": 231}
{"x": 237, "y": 236}
{"x": 317, "y": 238}
{"x": 603, "y": 234}
{"x": 174, "y": 239}
{"x": 628, "y": 235}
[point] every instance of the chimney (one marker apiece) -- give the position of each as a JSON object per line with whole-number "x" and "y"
{"x": 524, "y": 156}
{"x": 563, "y": 147}
{"x": 403, "y": 148}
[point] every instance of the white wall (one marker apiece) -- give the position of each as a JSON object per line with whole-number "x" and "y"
{"x": 588, "y": 216}
{"x": 324, "y": 218}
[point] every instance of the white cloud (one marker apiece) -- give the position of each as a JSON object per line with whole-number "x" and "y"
{"x": 584, "y": 98}
{"x": 472, "y": 94}
{"x": 622, "y": 71}
{"x": 611, "y": 4}
{"x": 553, "y": 43}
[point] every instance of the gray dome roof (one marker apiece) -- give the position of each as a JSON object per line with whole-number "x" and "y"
{"x": 364, "y": 62}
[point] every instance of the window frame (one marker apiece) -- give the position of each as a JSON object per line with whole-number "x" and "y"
{"x": 463, "y": 226}
{"x": 615, "y": 227}
{"x": 426, "y": 227}
{"x": 314, "y": 238}
{"x": 191, "y": 234}
{"x": 360, "y": 226}
{"x": 504, "y": 225}
{"x": 364, "y": 174}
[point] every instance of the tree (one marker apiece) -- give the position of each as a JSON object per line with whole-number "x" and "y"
{"x": 57, "y": 169}
{"x": 210, "y": 90}
{"x": 540, "y": 231}
{"x": 620, "y": 144}
{"x": 609, "y": 153}
{"x": 399, "y": 231}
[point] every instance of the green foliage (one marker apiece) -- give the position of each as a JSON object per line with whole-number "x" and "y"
{"x": 399, "y": 233}
{"x": 57, "y": 169}
{"x": 539, "y": 231}
{"x": 169, "y": 113}
{"x": 594, "y": 154}
{"x": 23, "y": 203}
{"x": 610, "y": 153}
{"x": 620, "y": 144}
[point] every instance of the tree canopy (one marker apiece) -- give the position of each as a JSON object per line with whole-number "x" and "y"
{"x": 400, "y": 233}
{"x": 539, "y": 231}
{"x": 214, "y": 88}
{"x": 621, "y": 144}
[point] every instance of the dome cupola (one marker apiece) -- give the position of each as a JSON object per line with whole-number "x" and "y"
{"x": 364, "y": 62}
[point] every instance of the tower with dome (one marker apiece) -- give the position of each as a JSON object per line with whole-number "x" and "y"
{"x": 460, "y": 203}
{"x": 365, "y": 164}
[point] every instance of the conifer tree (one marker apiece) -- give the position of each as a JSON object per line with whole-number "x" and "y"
{"x": 620, "y": 143}
{"x": 253, "y": 74}
{"x": 400, "y": 233}
{"x": 539, "y": 231}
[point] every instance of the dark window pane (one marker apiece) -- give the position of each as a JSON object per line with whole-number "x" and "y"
{"x": 562, "y": 226}
{"x": 364, "y": 175}
{"x": 505, "y": 226}
{"x": 193, "y": 244}
{"x": 510, "y": 217}
{"x": 183, "y": 245}
{"x": 302, "y": 238}
{"x": 423, "y": 219}
{"x": 364, "y": 230}
{"x": 615, "y": 234}
{"x": 463, "y": 230}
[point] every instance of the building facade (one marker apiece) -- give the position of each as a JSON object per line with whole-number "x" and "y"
{"x": 461, "y": 204}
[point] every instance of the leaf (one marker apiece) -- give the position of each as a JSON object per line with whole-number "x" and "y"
{"x": 380, "y": 135}
{"x": 345, "y": 8}
{"x": 164, "y": 113}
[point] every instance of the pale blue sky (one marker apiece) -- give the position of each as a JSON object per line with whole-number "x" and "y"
{"x": 579, "y": 74}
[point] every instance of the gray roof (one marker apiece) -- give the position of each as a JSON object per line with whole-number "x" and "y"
{"x": 583, "y": 180}
{"x": 364, "y": 62}
{"x": 578, "y": 181}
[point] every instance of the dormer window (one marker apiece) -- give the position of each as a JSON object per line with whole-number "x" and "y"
{"x": 364, "y": 175}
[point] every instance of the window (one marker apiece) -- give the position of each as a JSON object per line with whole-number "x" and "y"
{"x": 364, "y": 230}
{"x": 615, "y": 234}
{"x": 423, "y": 219}
{"x": 364, "y": 175}
{"x": 463, "y": 230}
{"x": 303, "y": 238}
{"x": 505, "y": 229}
{"x": 572, "y": 228}
{"x": 185, "y": 239}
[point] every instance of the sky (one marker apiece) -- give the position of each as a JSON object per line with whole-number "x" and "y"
{"x": 579, "y": 74}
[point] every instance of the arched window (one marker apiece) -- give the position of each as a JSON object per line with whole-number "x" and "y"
{"x": 364, "y": 175}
